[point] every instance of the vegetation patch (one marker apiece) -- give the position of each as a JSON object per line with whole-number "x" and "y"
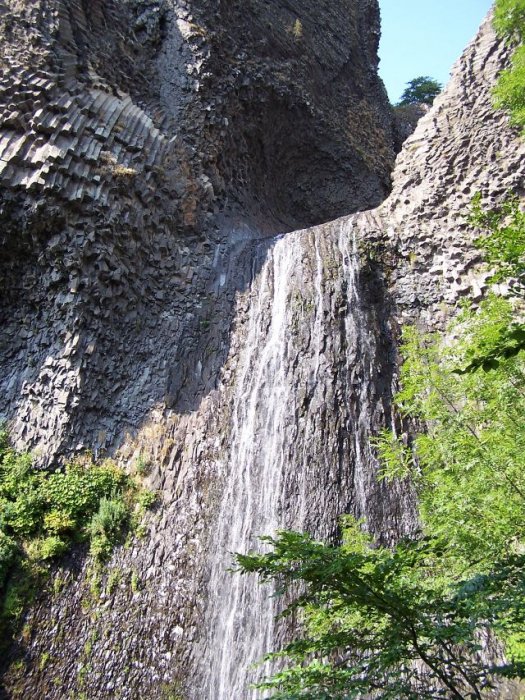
{"x": 509, "y": 94}
{"x": 44, "y": 514}
{"x": 420, "y": 90}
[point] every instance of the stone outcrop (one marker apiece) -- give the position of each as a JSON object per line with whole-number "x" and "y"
{"x": 407, "y": 117}
{"x": 460, "y": 147}
{"x": 146, "y": 147}
{"x": 152, "y": 151}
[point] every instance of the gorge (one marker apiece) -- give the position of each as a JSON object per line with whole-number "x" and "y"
{"x": 205, "y": 266}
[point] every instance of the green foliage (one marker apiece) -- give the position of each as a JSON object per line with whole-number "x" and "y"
{"x": 43, "y": 514}
{"x": 371, "y": 613}
{"x": 8, "y": 553}
{"x": 77, "y": 491}
{"x": 509, "y": 94}
{"x": 135, "y": 582}
{"x": 503, "y": 237}
{"x": 36, "y": 502}
{"x": 503, "y": 246}
{"x": 420, "y": 90}
{"x": 509, "y": 18}
{"x": 510, "y": 341}
{"x": 46, "y": 548}
{"x": 395, "y": 457}
{"x": 107, "y": 525}
{"x": 24, "y": 579}
{"x": 406, "y": 622}
{"x": 113, "y": 581}
{"x": 142, "y": 466}
{"x": 146, "y": 499}
{"x": 469, "y": 464}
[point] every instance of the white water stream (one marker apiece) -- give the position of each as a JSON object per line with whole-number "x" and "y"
{"x": 266, "y": 487}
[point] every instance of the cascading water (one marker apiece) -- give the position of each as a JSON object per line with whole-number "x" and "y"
{"x": 239, "y": 610}
{"x": 305, "y": 400}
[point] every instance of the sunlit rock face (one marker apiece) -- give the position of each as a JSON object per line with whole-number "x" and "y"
{"x": 159, "y": 162}
{"x": 460, "y": 147}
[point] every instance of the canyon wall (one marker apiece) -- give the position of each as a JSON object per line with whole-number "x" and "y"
{"x": 138, "y": 139}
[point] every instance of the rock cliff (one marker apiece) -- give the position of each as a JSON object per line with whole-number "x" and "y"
{"x": 149, "y": 154}
{"x": 135, "y": 136}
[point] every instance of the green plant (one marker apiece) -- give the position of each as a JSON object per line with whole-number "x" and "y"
{"x": 59, "y": 583}
{"x": 106, "y": 526}
{"x": 17, "y": 666}
{"x": 297, "y": 29}
{"x": 8, "y": 555}
{"x": 57, "y": 521}
{"x": 142, "y": 466}
{"x": 420, "y": 90}
{"x": 47, "y": 548}
{"x": 503, "y": 245}
{"x": 43, "y": 514}
{"x": 373, "y": 620}
{"x": 44, "y": 659}
{"x": 88, "y": 646}
{"x": 509, "y": 18}
{"x": 135, "y": 582}
{"x": 146, "y": 499}
{"x": 509, "y": 94}
{"x": 95, "y": 584}
{"x": 503, "y": 236}
{"x": 114, "y": 579}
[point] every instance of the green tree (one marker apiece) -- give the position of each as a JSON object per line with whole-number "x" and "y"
{"x": 420, "y": 90}
{"x": 509, "y": 94}
{"x": 382, "y": 621}
{"x": 509, "y": 18}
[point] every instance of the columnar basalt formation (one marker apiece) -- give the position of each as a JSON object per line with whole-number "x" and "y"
{"x": 134, "y": 137}
{"x": 461, "y": 147}
{"x": 150, "y": 153}
{"x": 146, "y": 147}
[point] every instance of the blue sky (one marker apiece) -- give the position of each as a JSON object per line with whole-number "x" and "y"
{"x": 424, "y": 37}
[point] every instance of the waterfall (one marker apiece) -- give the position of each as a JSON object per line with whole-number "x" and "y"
{"x": 304, "y": 402}
{"x": 250, "y": 505}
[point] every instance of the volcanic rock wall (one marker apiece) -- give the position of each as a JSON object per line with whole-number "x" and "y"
{"x": 461, "y": 147}
{"x": 134, "y": 137}
{"x": 145, "y": 148}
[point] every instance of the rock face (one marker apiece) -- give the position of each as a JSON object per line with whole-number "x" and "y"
{"x": 135, "y": 137}
{"x": 150, "y": 155}
{"x": 460, "y": 147}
